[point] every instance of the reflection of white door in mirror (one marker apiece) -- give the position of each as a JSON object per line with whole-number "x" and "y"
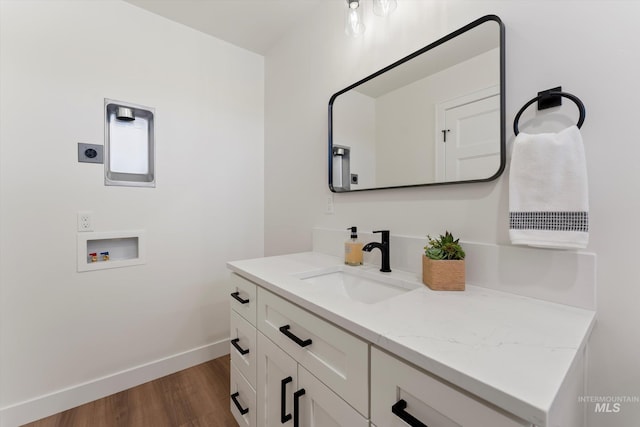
{"x": 468, "y": 136}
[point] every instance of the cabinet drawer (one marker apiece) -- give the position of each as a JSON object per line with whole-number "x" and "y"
{"x": 243, "y": 298}
{"x": 242, "y": 400}
{"x": 320, "y": 406}
{"x": 431, "y": 401}
{"x": 336, "y": 357}
{"x": 243, "y": 347}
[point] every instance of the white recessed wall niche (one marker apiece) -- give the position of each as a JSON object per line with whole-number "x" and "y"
{"x": 129, "y": 139}
{"x": 113, "y": 249}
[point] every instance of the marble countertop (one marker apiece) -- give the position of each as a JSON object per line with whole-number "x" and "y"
{"x": 511, "y": 351}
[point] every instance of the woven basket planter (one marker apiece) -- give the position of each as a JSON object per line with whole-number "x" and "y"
{"x": 443, "y": 275}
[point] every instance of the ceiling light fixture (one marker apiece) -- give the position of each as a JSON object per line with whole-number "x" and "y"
{"x": 354, "y": 14}
{"x": 384, "y": 7}
{"x": 354, "y": 18}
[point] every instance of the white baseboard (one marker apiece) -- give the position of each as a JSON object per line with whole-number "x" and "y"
{"x": 61, "y": 400}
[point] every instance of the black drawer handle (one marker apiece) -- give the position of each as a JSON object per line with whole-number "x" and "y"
{"x": 242, "y": 410}
{"x": 399, "y": 409}
{"x": 236, "y": 296}
{"x": 302, "y": 343}
{"x": 296, "y": 406}
{"x": 283, "y": 404}
{"x": 234, "y": 342}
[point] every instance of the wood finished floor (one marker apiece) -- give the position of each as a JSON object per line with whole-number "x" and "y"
{"x": 195, "y": 397}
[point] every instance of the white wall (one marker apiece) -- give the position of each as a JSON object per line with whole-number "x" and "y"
{"x": 588, "y": 47}
{"x": 59, "y": 59}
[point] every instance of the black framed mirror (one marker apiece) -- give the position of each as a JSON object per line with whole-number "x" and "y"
{"x": 435, "y": 117}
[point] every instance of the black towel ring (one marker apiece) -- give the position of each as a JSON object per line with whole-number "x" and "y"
{"x": 546, "y": 95}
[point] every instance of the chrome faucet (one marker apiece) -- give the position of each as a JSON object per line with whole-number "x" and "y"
{"x": 384, "y": 249}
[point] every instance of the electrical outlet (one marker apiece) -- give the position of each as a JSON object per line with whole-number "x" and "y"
{"x": 85, "y": 221}
{"x": 329, "y": 210}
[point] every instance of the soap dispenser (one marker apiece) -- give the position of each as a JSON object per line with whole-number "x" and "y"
{"x": 353, "y": 248}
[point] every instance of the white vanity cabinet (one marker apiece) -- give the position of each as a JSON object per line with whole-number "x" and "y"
{"x": 317, "y": 358}
{"x": 289, "y": 395}
{"x": 295, "y": 368}
{"x": 403, "y": 395}
{"x": 290, "y": 367}
{"x": 243, "y": 351}
{"x": 335, "y": 357}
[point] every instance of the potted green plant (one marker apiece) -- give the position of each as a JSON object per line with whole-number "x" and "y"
{"x": 443, "y": 264}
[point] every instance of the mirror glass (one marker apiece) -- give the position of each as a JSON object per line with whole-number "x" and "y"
{"x": 433, "y": 117}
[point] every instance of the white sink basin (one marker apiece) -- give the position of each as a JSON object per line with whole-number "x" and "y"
{"x": 355, "y": 284}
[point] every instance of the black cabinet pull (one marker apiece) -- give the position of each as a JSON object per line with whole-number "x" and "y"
{"x": 236, "y": 296}
{"x": 242, "y": 351}
{"x": 283, "y": 404}
{"x": 302, "y": 343}
{"x": 296, "y": 406}
{"x": 399, "y": 410}
{"x": 242, "y": 410}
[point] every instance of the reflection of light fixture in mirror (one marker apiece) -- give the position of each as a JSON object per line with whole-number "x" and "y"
{"x": 354, "y": 19}
{"x": 384, "y": 7}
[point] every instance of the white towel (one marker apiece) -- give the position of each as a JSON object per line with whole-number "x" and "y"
{"x": 548, "y": 194}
